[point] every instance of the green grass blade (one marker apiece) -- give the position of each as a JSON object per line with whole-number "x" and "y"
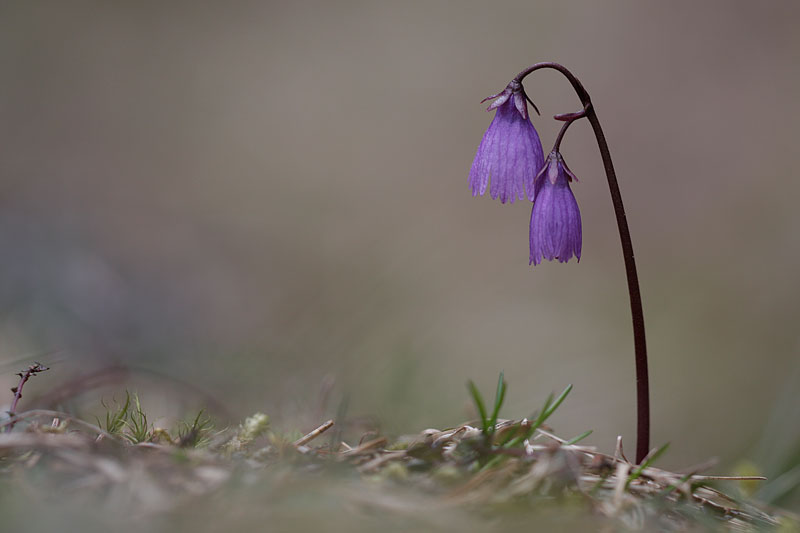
{"x": 579, "y": 438}
{"x": 646, "y": 463}
{"x": 552, "y": 408}
{"x": 478, "y": 399}
{"x": 548, "y": 409}
{"x": 545, "y": 407}
{"x": 499, "y": 397}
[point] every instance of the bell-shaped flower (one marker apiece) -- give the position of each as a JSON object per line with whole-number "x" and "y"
{"x": 555, "y": 218}
{"x": 510, "y": 154}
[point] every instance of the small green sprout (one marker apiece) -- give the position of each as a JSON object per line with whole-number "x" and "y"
{"x": 116, "y": 416}
{"x": 196, "y": 433}
{"x": 511, "y": 436}
{"x": 128, "y": 420}
{"x": 488, "y": 423}
{"x": 139, "y": 429}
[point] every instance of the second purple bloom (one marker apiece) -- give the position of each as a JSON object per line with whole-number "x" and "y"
{"x": 555, "y": 219}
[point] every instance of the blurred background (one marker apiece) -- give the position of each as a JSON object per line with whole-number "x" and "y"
{"x": 265, "y": 204}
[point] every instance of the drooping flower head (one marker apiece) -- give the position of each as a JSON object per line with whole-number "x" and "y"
{"x": 510, "y": 154}
{"x": 555, "y": 218}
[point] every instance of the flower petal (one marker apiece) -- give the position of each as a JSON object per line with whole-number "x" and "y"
{"x": 521, "y": 104}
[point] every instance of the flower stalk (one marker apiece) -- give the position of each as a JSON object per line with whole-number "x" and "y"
{"x": 640, "y": 345}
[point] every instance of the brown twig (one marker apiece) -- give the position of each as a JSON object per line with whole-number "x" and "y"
{"x": 32, "y": 370}
{"x": 314, "y": 434}
{"x": 367, "y": 446}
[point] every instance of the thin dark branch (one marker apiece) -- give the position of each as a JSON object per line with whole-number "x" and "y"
{"x": 32, "y": 370}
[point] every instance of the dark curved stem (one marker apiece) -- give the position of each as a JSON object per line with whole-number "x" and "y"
{"x": 640, "y": 345}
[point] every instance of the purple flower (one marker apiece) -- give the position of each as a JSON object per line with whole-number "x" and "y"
{"x": 510, "y": 153}
{"x": 555, "y": 218}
